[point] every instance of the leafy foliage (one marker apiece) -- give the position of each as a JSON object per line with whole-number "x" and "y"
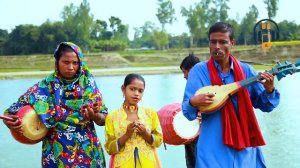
{"x": 165, "y": 12}
{"x": 271, "y": 7}
{"x": 93, "y": 35}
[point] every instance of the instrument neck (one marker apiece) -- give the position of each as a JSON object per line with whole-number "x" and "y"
{"x": 253, "y": 79}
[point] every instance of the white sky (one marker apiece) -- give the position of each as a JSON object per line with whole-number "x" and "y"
{"x": 132, "y": 12}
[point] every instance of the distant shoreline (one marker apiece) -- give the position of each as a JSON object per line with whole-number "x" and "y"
{"x": 96, "y": 72}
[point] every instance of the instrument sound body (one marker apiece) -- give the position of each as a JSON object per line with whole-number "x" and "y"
{"x": 177, "y": 129}
{"x": 223, "y": 92}
{"x": 33, "y": 129}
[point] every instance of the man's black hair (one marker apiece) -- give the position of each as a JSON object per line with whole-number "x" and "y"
{"x": 189, "y": 61}
{"x": 223, "y": 28}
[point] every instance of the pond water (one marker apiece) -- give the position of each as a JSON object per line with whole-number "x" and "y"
{"x": 279, "y": 127}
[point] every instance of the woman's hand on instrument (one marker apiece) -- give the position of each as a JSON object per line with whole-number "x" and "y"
{"x": 202, "y": 99}
{"x": 268, "y": 81}
{"x": 14, "y": 125}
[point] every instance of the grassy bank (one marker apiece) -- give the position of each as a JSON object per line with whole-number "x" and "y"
{"x": 280, "y": 51}
{"x": 97, "y": 72}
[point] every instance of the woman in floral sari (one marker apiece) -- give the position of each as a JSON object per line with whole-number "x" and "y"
{"x": 68, "y": 102}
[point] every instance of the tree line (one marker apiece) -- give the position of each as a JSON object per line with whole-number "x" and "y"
{"x": 94, "y": 35}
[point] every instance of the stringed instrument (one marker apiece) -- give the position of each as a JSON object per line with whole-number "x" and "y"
{"x": 223, "y": 92}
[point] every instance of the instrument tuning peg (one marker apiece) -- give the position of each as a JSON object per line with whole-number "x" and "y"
{"x": 291, "y": 71}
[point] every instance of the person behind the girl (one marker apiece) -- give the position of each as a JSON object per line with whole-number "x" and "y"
{"x": 132, "y": 132}
{"x": 190, "y": 149}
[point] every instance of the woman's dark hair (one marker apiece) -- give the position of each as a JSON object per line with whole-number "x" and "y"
{"x": 223, "y": 28}
{"x": 189, "y": 61}
{"x": 63, "y": 48}
{"x": 130, "y": 77}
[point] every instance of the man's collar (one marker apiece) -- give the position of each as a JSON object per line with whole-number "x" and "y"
{"x": 219, "y": 67}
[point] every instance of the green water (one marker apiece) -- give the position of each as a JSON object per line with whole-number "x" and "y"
{"x": 279, "y": 127}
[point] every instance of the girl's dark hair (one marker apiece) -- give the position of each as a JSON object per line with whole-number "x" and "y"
{"x": 63, "y": 48}
{"x": 189, "y": 61}
{"x": 130, "y": 77}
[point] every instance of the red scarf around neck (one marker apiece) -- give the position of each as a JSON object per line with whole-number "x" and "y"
{"x": 243, "y": 131}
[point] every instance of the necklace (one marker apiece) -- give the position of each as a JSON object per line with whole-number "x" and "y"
{"x": 131, "y": 108}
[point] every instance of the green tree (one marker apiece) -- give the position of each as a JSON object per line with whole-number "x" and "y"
{"x": 247, "y": 25}
{"x": 160, "y": 39}
{"x": 223, "y": 8}
{"x": 100, "y": 31}
{"x": 78, "y": 23}
{"x": 120, "y": 31}
{"x": 84, "y": 26}
{"x": 69, "y": 21}
{"x": 136, "y": 42}
{"x": 216, "y": 10}
{"x": 236, "y": 28}
{"x": 50, "y": 35}
{"x": 196, "y": 21}
{"x": 289, "y": 31}
{"x": 181, "y": 41}
{"x": 3, "y": 39}
{"x": 23, "y": 40}
{"x": 109, "y": 37}
{"x": 165, "y": 13}
{"x": 272, "y": 7}
{"x": 143, "y": 35}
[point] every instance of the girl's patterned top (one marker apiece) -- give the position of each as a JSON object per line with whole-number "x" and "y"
{"x": 116, "y": 126}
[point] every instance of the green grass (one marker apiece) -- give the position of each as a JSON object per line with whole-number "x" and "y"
{"x": 22, "y": 69}
{"x": 149, "y": 65}
{"x": 262, "y": 67}
{"x": 152, "y": 58}
{"x": 286, "y": 42}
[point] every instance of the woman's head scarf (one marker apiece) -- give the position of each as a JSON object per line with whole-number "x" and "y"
{"x": 58, "y": 102}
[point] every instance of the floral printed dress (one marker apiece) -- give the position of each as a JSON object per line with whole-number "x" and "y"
{"x": 71, "y": 140}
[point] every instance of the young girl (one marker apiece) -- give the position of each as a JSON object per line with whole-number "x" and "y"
{"x": 132, "y": 132}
